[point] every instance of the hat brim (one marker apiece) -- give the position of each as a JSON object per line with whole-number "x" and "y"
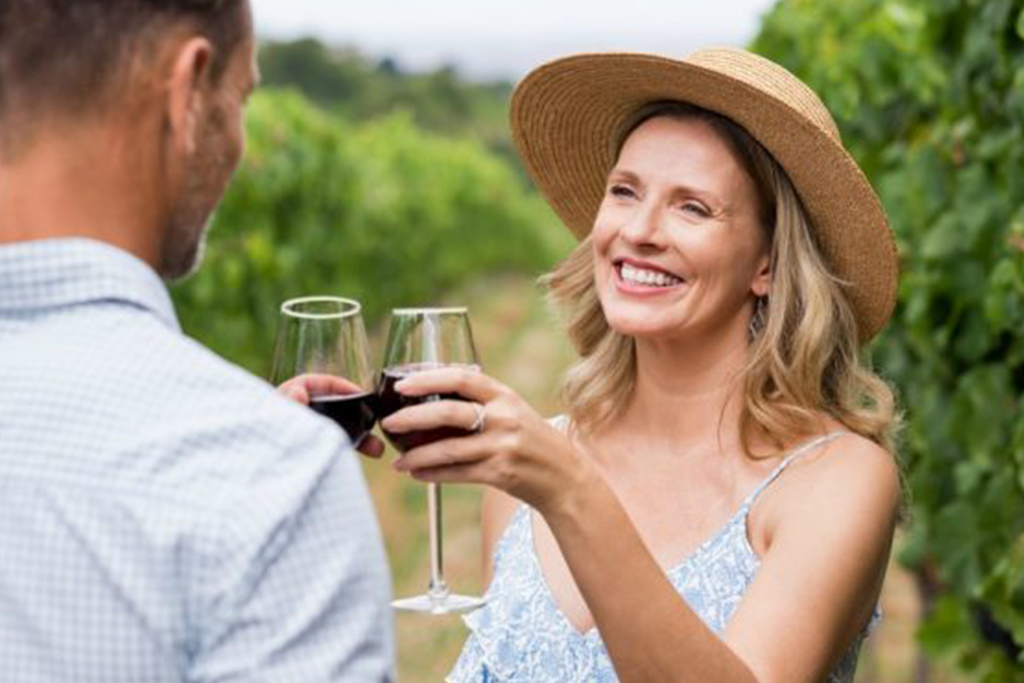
{"x": 569, "y": 114}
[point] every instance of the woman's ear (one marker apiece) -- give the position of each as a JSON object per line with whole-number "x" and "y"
{"x": 187, "y": 92}
{"x": 762, "y": 282}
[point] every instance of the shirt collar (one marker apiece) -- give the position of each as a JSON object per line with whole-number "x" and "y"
{"x": 68, "y": 271}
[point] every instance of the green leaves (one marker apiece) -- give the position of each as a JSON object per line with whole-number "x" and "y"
{"x": 383, "y": 212}
{"x": 929, "y": 95}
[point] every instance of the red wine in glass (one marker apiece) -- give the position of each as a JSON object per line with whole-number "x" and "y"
{"x": 422, "y": 339}
{"x": 355, "y": 413}
{"x": 323, "y": 340}
{"x": 390, "y": 401}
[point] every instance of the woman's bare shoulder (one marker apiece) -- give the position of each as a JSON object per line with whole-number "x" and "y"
{"x": 823, "y": 531}
{"x": 851, "y": 460}
{"x": 851, "y": 476}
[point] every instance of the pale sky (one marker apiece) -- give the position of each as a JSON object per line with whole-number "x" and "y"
{"x": 506, "y": 38}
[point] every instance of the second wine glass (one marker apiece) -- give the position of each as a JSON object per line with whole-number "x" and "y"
{"x": 323, "y": 339}
{"x": 422, "y": 339}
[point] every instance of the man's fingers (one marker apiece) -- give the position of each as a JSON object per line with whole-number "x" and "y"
{"x": 318, "y": 385}
{"x": 302, "y": 387}
{"x": 371, "y": 446}
{"x": 295, "y": 390}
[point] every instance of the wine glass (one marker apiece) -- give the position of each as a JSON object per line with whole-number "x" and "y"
{"x": 323, "y": 337}
{"x": 423, "y": 339}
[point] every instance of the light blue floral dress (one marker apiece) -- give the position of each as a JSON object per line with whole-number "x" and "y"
{"x": 520, "y": 635}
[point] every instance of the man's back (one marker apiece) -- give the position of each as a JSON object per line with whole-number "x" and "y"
{"x": 163, "y": 515}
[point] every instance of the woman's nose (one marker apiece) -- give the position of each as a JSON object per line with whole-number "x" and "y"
{"x": 643, "y": 227}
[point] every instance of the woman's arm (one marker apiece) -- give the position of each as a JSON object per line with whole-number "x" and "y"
{"x": 650, "y": 632}
{"x": 815, "y": 588}
{"x": 831, "y": 531}
{"x": 819, "y": 573}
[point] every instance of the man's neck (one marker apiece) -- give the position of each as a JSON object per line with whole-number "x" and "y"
{"x": 84, "y": 181}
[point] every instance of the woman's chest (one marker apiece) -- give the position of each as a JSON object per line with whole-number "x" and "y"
{"x": 680, "y": 527}
{"x": 674, "y": 507}
{"x": 546, "y": 603}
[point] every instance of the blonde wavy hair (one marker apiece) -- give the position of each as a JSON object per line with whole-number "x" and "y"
{"x": 804, "y": 358}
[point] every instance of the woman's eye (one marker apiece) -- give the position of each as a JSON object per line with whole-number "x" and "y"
{"x": 621, "y": 191}
{"x": 696, "y": 209}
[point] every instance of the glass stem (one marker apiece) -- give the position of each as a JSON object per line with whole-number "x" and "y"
{"x": 438, "y": 588}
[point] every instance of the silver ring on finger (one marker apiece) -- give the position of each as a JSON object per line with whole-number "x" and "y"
{"x": 480, "y": 423}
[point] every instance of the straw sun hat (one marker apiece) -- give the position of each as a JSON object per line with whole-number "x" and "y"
{"x": 570, "y": 115}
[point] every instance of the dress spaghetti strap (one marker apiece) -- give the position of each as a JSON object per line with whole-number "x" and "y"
{"x": 801, "y": 450}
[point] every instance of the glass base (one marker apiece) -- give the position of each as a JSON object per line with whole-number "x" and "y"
{"x": 448, "y": 603}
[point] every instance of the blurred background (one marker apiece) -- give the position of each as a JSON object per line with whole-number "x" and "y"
{"x": 380, "y": 167}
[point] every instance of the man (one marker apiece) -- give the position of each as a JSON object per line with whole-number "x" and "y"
{"x": 164, "y": 516}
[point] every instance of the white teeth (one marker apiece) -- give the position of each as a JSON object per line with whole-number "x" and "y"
{"x": 647, "y": 277}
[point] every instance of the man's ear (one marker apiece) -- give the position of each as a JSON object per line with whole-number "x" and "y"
{"x": 763, "y": 279}
{"x": 187, "y": 91}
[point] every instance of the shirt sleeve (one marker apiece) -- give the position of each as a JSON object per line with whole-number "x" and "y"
{"x": 296, "y": 585}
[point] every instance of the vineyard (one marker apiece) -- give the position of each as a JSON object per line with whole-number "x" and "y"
{"x": 383, "y": 212}
{"x": 929, "y": 95}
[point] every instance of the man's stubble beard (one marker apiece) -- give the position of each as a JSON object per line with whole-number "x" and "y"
{"x": 191, "y": 216}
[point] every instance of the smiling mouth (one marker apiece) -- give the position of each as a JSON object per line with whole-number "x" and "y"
{"x": 643, "y": 277}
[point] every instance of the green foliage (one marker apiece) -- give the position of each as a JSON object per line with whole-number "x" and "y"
{"x": 382, "y": 212}
{"x": 323, "y": 76}
{"x": 348, "y": 83}
{"x": 929, "y": 95}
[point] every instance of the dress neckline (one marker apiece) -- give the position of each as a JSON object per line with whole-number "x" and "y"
{"x": 740, "y": 515}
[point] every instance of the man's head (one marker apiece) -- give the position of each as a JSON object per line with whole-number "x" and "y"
{"x": 169, "y": 77}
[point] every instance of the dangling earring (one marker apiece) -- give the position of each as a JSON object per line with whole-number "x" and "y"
{"x": 757, "y": 321}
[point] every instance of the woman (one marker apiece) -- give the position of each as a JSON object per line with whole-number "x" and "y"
{"x": 718, "y": 503}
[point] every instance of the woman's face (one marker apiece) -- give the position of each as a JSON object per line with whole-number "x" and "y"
{"x": 677, "y": 245}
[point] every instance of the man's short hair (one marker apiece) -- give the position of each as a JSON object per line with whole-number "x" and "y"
{"x": 69, "y": 56}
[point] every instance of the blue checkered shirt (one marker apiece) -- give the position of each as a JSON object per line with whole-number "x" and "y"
{"x": 165, "y": 516}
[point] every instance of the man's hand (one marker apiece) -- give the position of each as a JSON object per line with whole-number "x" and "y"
{"x": 301, "y": 388}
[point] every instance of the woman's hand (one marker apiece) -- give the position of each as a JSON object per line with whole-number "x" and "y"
{"x": 514, "y": 450}
{"x": 303, "y": 387}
